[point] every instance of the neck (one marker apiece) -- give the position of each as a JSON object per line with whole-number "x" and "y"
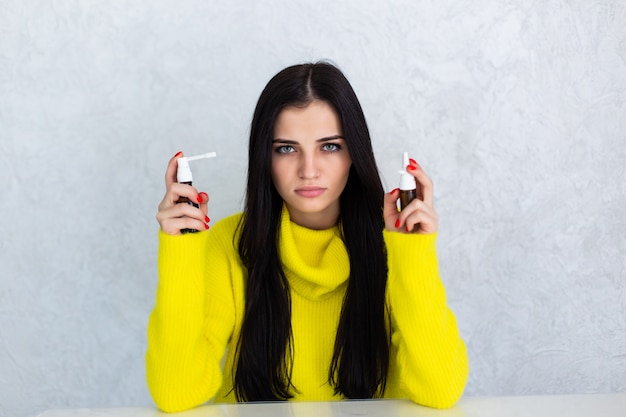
{"x": 315, "y": 221}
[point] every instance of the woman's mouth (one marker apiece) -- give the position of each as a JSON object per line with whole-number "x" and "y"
{"x": 310, "y": 192}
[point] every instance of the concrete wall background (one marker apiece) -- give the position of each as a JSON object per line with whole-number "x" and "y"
{"x": 516, "y": 109}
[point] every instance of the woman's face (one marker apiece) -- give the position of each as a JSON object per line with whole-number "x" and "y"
{"x": 310, "y": 163}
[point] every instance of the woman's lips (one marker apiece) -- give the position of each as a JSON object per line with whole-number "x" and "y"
{"x": 310, "y": 192}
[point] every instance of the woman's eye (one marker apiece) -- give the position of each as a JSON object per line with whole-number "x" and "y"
{"x": 284, "y": 149}
{"x": 331, "y": 147}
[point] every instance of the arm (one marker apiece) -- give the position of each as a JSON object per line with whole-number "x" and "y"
{"x": 189, "y": 327}
{"x": 193, "y": 316}
{"x": 431, "y": 357}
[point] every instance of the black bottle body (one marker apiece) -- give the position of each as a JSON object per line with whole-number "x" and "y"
{"x": 188, "y": 201}
{"x": 406, "y": 196}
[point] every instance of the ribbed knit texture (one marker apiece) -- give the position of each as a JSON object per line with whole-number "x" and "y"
{"x": 200, "y": 304}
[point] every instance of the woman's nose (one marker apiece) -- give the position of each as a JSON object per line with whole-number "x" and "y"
{"x": 308, "y": 167}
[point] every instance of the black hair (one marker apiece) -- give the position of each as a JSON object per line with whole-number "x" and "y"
{"x": 264, "y": 353}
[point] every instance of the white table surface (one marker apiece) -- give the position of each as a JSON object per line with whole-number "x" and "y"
{"x": 592, "y": 405}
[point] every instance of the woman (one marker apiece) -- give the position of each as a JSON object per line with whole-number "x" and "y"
{"x": 316, "y": 291}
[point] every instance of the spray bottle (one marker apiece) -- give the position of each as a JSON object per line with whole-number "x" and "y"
{"x": 408, "y": 188}
{"x": 184, "y": 176}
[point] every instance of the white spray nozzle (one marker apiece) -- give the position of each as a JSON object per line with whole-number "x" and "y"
{"x": 184, "y": 172}
{"x": 201, "y": 156}
{"x": 407, "y": 182}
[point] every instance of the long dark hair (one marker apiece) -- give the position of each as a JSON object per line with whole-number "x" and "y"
{"x": 265, "y": 347}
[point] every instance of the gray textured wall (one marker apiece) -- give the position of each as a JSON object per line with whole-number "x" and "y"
{"x": 517, "y": 109}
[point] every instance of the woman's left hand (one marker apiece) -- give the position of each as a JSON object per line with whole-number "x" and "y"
{"x": 419, "y": 213}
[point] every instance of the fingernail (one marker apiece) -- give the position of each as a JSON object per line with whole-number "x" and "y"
{"x": 206, "y": 226}
{"x": 206, "y": 219}
{"x": 199, "y": 199}
{"x": 411, "y": 168}
{"x": 394, "y": 190}
{"x": 179, "y": 153}
{"x": 397, "y": 223}
{"x": 413, "y": 161}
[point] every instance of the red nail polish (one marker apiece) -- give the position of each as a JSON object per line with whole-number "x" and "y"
{"x": 179, "y": 153}
{"x": 395, "y": 190}
{"x": 413, "y": 161}
{"x": 206, "y": 226}
{"x": 411, "y": 168}
{"x": 206, "y": 219}
{"x": 397, "y": 223}
{"x": 199, "y": 199}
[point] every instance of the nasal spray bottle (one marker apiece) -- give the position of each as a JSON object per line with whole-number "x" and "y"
{"x": 183, "y": 176}
{"x": 408, "y": 189}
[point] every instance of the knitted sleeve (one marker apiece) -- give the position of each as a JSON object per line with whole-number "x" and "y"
{"x": 431, "y": 358}
{"x": 192, "y": 319}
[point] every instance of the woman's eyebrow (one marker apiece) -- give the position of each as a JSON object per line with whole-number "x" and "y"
{"x": 287, "y": 141}
{"x": 295, "y": 142}
{"x": 326, "y": 139}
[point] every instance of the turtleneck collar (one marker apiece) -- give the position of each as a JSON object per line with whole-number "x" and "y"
{"x": 315, "y": 262}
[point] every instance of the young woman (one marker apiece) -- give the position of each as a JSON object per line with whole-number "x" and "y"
{"x": 316, "y": 291}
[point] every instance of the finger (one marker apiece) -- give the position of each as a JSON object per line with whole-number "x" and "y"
{"x": 390, "y": 208}
{"x": 193, "y": 218}
{"x": 390, "y": 203}
{"x": 204, "y": 203}
{"x": 177, "y": 211}
{"x": 178, "y": 199}
{"x": 419, "y": 214}
{"x": 174, "y": 226}
{"x": 202, "y": 198}
{"x": 425, "y": 185}
{"x": 172, "y": 167}
{"x": 422, "y": 221}
{"x": 179, "y": 193}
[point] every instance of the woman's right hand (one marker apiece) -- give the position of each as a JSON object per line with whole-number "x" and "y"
{"x": 173, "y": 217}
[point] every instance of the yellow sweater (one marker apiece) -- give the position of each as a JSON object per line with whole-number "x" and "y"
{"x": 200, "y": 305}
